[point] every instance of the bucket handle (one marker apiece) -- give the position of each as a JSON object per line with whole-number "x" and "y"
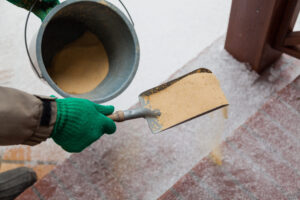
{"x": 127, "y": 12}
{"x": 25, "y": 39}
{"x": 25, "y": 33}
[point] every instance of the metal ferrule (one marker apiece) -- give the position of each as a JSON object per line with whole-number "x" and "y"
{"x": 140, "y": 112}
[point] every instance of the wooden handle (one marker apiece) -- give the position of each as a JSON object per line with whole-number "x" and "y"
{"x": 117, "y": 116}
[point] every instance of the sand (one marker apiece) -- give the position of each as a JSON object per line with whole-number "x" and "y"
{"x": 218, "y": 133}
{"x": 81, "y": 65}
{"x": 187, "y": 98}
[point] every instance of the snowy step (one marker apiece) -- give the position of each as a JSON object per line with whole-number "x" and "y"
{"x": 260, "y": 161}
{"x": 133, "y": 163}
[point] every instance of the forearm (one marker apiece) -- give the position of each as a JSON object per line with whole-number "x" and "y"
{"x": 24, "y": 118}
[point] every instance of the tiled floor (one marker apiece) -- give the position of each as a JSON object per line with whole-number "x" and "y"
{"x": 31, "y": 157}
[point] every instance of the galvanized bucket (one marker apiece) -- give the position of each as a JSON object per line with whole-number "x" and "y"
{"x": 68, "y": 21}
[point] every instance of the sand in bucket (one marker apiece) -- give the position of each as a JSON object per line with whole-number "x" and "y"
{"x": 81, "y": 65}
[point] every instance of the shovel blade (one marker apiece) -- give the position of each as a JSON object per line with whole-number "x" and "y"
{"x": 182, "y": 99}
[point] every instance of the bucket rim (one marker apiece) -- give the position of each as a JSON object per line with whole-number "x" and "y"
{"x": 42, "y": 67}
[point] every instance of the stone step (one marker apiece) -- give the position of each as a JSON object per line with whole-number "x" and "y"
{"x": 260, "y": 161}
{"x": 133, "y": 163}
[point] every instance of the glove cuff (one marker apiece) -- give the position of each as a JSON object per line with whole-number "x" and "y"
{"x": 66, "y": 120}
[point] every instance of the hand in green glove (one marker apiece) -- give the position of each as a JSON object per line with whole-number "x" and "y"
{"x": 80, "y": 122}
{"x": 41, "y": 8}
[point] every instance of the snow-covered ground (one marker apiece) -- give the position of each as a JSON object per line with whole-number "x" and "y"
{"x": 151, "y": 163}
{"x": 171, "y": 33}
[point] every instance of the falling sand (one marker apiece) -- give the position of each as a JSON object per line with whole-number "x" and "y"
{"x": 189, "y": 97}
{"x": 81, "y": 65}
{"x": 217, "y": 134}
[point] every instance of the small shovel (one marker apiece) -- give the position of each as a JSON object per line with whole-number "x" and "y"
{"x": 157, "y": 117}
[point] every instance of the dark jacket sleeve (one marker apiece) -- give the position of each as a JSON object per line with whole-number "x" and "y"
{"x": 25, "y": 118}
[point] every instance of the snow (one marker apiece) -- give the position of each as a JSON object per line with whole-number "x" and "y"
{"x": 149, "y": 164}
{"x": 170, "y": 33}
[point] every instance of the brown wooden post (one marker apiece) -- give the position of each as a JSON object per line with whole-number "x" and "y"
{"x": 288, "y": 41}
{"x": 253, "y": 28}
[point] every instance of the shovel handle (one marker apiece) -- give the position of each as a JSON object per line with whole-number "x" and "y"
{"x": 120, "y": 116}
{"x": 117, "y": 116}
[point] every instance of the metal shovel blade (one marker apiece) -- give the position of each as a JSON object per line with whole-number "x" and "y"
{"x": 156, "y": 123}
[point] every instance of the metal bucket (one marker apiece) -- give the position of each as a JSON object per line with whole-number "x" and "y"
{"x": 68, "y": 21}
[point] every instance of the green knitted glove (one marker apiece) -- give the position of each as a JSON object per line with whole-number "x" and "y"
{"x": 40, "y": 9}
{"x": 80, "y": 122}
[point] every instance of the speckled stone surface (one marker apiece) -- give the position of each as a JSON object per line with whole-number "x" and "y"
{"x": 260, "y": 161}
{"x": 135, "y": 164}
